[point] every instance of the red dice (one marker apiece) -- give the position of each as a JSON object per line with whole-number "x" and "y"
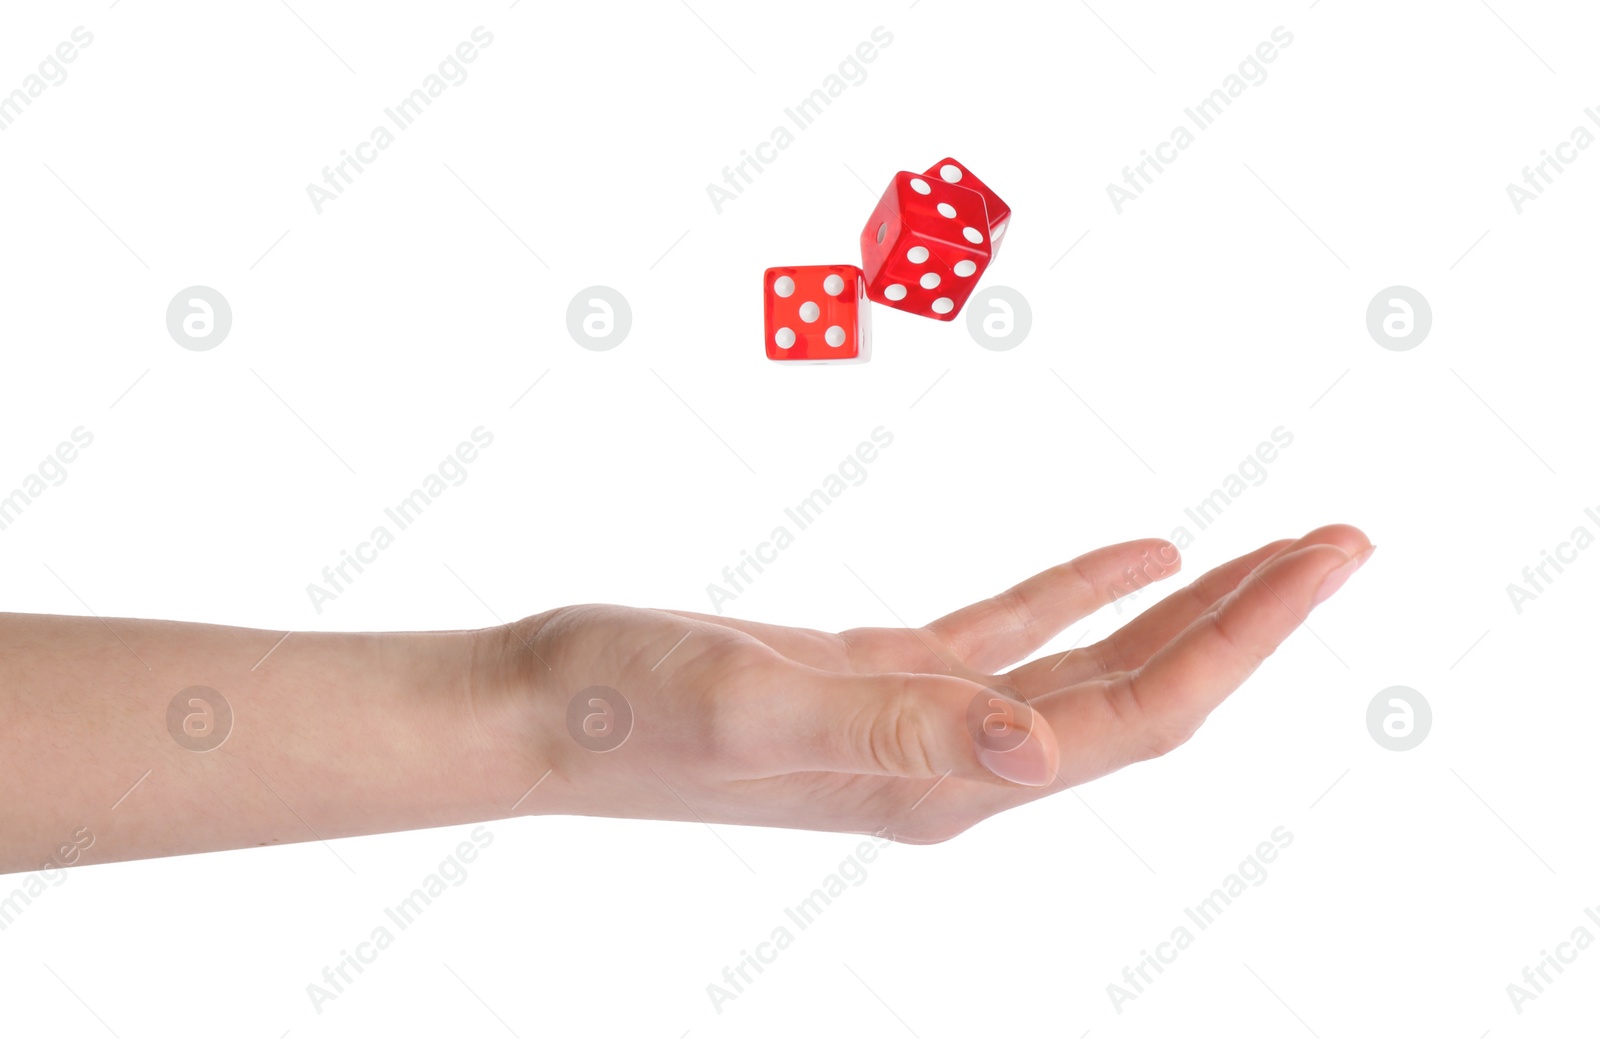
{"x": 926, "y": 244}
{"x": 952, "y": 172}
{"x": 816, "y": 313}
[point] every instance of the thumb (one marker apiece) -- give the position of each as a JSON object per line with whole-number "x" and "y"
{"x": 920, "y": 726}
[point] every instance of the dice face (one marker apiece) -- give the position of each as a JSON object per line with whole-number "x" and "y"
{"x": 816, "y": 314}
{"x": 925, "y": 246}
{"x": 952, "y": 172}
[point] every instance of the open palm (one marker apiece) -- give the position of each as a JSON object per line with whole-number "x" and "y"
{"x": 912, "y": 733}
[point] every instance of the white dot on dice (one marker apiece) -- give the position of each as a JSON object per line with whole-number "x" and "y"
{"x": 784, "y": 337}
{"x": 964, "y": 268}
{"x": 999, "y": 231}
{"x": 917, "y": 254}
{"x": 834, "y": 336}
{"x": 943, "y": 305}
{"x": 946, "y": 209}
{"x": 972, "y": 234}
{"x": 920, "y": 186}
{"x": 833, "y": 285}
{"x": 894, "y": 292}
{"x": 950, "y": 173}
{"x": 809, "y": 311}
{"x": 930, "y": 280}
{"x": 784, "y": 286}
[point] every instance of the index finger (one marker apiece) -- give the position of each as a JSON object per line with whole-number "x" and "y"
{"x": 1004, "y": 628}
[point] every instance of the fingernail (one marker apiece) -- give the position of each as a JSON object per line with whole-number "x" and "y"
{"x": 1340, "y": 574}
{"x": 1024, "y": 763}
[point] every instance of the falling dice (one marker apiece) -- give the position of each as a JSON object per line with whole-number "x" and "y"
{"x": 925, "y": 246}
{"x": 816, "y": 313}
{"x": 952, "y": 172}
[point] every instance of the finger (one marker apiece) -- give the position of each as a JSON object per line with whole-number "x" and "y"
{"x": 988, "y": 635}
{"x": 908, "y": 725}
{"x": 1156, "y": 707}
{"x": 1133, "y": 644}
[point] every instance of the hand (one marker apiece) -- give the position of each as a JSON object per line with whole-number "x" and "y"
{"x": 739, "y": 722}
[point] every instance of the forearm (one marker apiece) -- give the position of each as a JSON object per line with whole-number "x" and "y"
{"x": 331, "y": 735}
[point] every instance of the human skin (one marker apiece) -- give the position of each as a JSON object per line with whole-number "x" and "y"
{"x": 912, "y": 734}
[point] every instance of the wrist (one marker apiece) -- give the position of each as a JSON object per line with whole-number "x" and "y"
{"x": 516, "y": 700}
{"x": 405, "y": 734}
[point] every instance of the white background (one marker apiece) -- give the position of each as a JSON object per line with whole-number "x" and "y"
{"x": 1228, "y": 300}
